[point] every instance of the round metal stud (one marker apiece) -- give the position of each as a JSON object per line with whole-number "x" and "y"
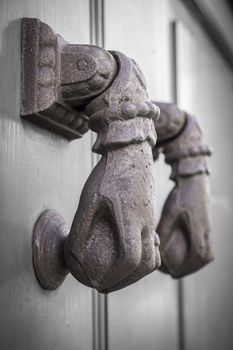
{"x": 49, "y": 237}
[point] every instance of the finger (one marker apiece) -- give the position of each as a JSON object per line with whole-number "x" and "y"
{"x": 150, "y": 260}
{"x": 175, "y": 251}
{"x": 168, "y": 216}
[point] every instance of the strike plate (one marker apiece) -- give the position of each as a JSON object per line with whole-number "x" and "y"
{"x": 49, "y": 237}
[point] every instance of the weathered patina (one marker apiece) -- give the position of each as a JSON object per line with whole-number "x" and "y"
{"x": 113, "y": 243}
{"x": 184, "y": 226}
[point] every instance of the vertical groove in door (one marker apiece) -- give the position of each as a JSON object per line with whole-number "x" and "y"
{"x": 100, "y": 305}
{"x": 94, "y": 320}
{"x": 181, "y": 315}
{"x": 174, "y": 82}
{"x": 97, "y": 22}
{"x": 174, "y": 94}
{"x": 106, "y": 321}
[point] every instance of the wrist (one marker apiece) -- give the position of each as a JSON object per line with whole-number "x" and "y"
{"x": 189, "y": 166}
{"x": 187, "y": 154}
{"x": 123, "y": 133}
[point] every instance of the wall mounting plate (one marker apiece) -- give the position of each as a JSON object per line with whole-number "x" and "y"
{"x": 41, "y": 102}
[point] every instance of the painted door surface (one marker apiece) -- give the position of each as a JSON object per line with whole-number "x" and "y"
{"x": 40, "y": 170}
{"x": 196, "y": 312}
{"x": 205, "y": 87}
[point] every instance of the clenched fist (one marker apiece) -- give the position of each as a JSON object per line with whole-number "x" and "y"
{"x": 184, "y": 226}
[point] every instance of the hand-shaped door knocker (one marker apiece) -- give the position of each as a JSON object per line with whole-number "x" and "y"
{"x": 113, "y": 242}
{"x": 184, "y": 226}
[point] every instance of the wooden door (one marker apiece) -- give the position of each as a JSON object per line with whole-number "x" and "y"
{"x": 39, "y": 170}
{"x": 195, "y": 312}
{"x": 205, "y": 87}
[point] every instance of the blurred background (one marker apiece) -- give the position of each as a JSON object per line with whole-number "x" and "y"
{"x": 185, "y": 48}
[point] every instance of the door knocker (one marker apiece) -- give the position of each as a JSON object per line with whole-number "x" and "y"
{"x": 113, "y": 242}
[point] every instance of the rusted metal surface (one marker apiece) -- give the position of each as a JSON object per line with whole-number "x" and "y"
{"x": 184, "y": 226}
